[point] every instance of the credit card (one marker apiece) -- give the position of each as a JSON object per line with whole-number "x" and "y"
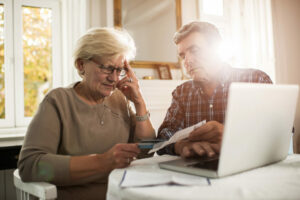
{"x": 152, "y": 140}
{"x": 146, "y": 145}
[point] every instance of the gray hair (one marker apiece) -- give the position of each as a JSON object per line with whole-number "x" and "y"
{"x": 209, "y": 30}
{"x": 104, "y": 43}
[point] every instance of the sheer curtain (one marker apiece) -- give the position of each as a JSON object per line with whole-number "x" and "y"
{"x": 74, "y": 24}
{"x": 251, "y": 34}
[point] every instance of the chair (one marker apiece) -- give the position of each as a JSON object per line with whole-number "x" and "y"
{"x": 33, "y": 190}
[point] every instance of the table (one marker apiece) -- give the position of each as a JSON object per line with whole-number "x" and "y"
{"x": 277, "y": 181}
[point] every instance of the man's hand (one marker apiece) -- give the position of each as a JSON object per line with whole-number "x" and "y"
{"x": 203, "y": 141}
{"x": 187, "y": 149}
{"x": 212, "y": 132}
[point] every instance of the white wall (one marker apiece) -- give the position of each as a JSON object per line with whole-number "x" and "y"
{"x": 286, "y": 25}
{"x": 158, "y": 97}
{"x": 189, "y": 11}
{"x": 99, "y": 10}
{"x": 152, "y": 25}
{"x": 101, "y": 14}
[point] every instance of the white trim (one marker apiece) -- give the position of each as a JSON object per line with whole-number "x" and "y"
{"x": 12, "y": 132}
{"x": 110, "y": 13}
{"x": 12, "y": 136}
{"x": 56, "y": 47}
{"x": 9, "y": 143}
{"x": 39, "y": 3}
{"x": 18, "y": 62}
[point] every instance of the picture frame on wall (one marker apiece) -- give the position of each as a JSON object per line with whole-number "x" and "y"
{"x": 164, "y": 72}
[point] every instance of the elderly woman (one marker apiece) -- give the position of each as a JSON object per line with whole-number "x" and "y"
{"x": 81, "y": 133}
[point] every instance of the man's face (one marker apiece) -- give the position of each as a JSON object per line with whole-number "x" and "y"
{"x": 198, "y": 56}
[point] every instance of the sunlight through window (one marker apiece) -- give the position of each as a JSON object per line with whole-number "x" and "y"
{"x": 37, "y": 48}
{"x": 2, "y": 85}
{"x": 213, "y": 7}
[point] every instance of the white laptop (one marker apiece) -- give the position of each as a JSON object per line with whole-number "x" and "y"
{"x": 258, "y": 129}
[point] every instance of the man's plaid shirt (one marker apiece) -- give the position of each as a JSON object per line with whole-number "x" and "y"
{"x": 190, "y": 105}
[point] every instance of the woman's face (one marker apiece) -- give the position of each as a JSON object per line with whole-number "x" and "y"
{"x": 97, "y": 80}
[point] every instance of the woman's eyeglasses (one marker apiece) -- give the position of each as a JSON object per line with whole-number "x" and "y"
{"x": 121, "y": 71}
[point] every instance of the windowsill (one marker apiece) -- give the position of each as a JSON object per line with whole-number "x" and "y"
{"x": 12, "y": 136}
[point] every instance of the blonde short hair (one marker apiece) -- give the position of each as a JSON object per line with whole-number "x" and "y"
{"x": 209, "y": 30}
{"x": 104, "y": 43}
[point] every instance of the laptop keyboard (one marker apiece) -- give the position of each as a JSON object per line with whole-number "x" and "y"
{"x": 209, "y": 163}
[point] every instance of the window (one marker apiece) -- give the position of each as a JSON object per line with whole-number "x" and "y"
{"x": 2, "y": 74}
{"x": 246, "y": 29}
{"x": 29, "y": 57}
{"x": 216, "y": 12}
{"x": 212, "y": 7}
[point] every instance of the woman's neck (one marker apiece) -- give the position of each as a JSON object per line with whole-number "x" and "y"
{"x": 87, "y": 95}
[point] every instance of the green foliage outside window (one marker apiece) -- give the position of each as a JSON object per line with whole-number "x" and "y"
{"x": 37, "y": 47}
{"x": 2, "y": 86}
{"x": 37, "y": 57}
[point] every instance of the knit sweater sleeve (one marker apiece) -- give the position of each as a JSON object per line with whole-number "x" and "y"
{"x": 39, "y": 160}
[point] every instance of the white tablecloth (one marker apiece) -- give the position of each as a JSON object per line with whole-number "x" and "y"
{"x": 277, "y": 181}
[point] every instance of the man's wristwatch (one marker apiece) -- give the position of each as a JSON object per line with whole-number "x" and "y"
{"x": 142, "y": 118}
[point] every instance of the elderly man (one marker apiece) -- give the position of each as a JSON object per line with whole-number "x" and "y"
{"x": 205, "y": 96}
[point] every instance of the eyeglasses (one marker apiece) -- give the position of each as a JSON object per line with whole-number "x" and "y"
{"x": 121, "y": 71}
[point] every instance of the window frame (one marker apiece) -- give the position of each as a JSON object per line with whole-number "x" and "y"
{"x": 8, "y": 121}
{"x": 21, "y": 120}
{"x": 222, "y": 22}
{"x": 13, "y": 59}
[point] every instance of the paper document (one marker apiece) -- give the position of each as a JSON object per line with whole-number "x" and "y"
{"x": 133, "y": 178}
{"x": 179, "y": 135}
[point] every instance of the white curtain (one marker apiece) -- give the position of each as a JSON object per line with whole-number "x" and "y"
{"x": 251, "y": 34}
{"x": 74, "y": 24}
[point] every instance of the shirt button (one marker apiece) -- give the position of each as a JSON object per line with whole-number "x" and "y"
{"x": 210, "y": 105}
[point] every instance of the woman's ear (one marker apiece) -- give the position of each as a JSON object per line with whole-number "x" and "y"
{"x": 80, "y": 66}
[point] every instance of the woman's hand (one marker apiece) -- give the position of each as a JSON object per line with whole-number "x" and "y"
{"x": 121, "y": 155}
{"x": 130, "y": 87}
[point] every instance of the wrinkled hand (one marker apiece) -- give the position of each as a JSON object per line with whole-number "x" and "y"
{"x": 203, "y": 141}
{"x": 129, "y": 86}
{"x": 121, "y": 155}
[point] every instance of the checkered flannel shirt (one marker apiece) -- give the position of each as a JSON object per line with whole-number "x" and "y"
{"x": 190, "y": 105}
